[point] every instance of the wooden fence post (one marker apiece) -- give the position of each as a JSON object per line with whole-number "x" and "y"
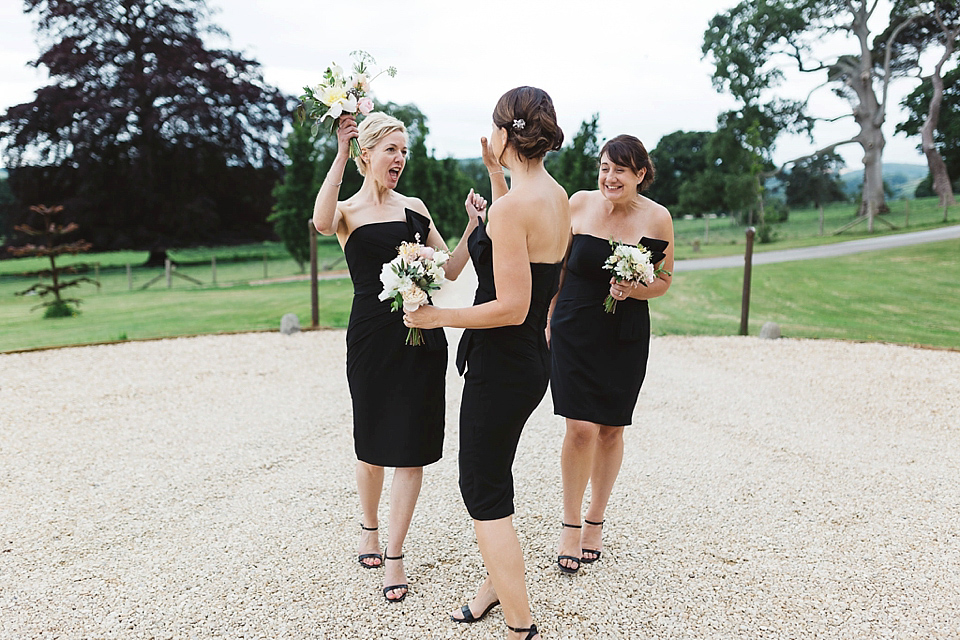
{"x": 213, "y": 270}
{"x": 314, "y": 285}
{"x": 747, "y": 268}
{"x": 168, "y": 269}
{"x": 129, "y": 278}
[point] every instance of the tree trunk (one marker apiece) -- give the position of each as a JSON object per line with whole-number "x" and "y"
{"x": 869, "y": 114}
{"x": 157, "y": 258}
{"x": 938, "y": 169}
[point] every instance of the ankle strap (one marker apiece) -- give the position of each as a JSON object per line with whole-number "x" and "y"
{"x": 399, "y": 557}
{"x": 530, "y": 631}
{"x": 572, "y": 526}
{"x": 596, "y": 524}
{"x": 368, "y": 528}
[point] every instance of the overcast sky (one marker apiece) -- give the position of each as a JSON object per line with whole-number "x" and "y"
{"x": 637, "y": 64}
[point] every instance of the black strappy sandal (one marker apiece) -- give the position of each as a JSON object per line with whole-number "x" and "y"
{"x": 574, "y": 558}
{"x": 395, "y": 586}
{"x": 595, "y": 551}
{"x": 364, "y": 556}
{"x": 468, "y": 616}
{"x": 530, "y": 631}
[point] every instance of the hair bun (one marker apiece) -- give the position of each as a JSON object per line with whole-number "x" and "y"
{"x": 528, "y": 115}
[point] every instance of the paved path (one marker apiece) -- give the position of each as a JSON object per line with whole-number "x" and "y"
{"x": 824, "y": 251}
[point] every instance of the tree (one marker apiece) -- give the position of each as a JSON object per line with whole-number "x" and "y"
{"x": 815, "y": 180}
{"x": 749, "y": 43}
{"x": 939, "y": 26}
{"x": 575, "y": 165}
{"x": 53, "y": 246}
{"x": 156, "y": 139}
{"x": 678, "y": 158}
{"x": 295, "y": 194}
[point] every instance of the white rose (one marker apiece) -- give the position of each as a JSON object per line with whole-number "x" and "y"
{"x": 413, "y": 298}
{"x": 390, "y": 280}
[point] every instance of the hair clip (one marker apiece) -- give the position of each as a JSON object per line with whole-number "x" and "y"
{"x": 519, "y": 124}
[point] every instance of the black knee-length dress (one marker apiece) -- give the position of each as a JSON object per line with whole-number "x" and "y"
{"x": 507, "y": 373}
{"x": 599, "y": 359}
{"x": 397, "y": 389}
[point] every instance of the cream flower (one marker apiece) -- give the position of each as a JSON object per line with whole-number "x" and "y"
{"x": 413, "y": 298}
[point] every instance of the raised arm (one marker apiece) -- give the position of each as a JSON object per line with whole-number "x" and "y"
{"x": 476, "y": 206}
{"x": 326, "y": 215}
{"x": 498, "y": 182}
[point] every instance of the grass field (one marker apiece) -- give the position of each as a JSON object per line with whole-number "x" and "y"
{"x": 905, "y": 296}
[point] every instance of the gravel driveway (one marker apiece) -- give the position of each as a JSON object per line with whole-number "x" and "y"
{"x": 203, "y": 488}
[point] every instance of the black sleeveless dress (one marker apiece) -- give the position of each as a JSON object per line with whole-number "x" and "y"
{"x": 397, "y": 389}
{"x": 507, "y": 373}
{"x": 599, "y": 359}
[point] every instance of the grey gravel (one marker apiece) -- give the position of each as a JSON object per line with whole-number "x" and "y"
{"x": 187, "y": 489}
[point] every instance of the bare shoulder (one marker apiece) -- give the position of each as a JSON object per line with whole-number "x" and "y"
{"x": 657, "y": 211}
{"x": 414, "y": 204}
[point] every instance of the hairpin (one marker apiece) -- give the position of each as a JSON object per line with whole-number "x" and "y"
{"x": 519, "y": 124}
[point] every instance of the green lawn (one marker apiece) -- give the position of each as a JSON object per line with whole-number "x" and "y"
{"x": 723, "y": 236}
{"x": 906, "y": 296}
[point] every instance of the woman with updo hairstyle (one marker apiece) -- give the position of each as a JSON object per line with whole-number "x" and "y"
{"x": 599, "y": 359}
{"x": 397, "y": 390}
{"x": 517, "y": 252}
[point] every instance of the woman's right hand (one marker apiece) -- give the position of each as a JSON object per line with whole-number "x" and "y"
{"x": 346, "y": 129}
{"x": 476, "y": 205}
{"x": 489, "y": 161}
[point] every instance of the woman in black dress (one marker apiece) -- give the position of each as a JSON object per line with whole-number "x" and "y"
{"x": 517, "y": 254}
{"x": 396, "y": 389}
{"x": 599, "y": 359}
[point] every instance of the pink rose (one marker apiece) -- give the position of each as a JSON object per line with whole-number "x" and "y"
{"x": 365, "y": 106}
{"x": 426, "y": 253}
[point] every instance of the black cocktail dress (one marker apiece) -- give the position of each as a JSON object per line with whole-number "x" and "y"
{"x": 599, "y": 359}
{"x": 397, "y": 389}
{"x": 507, "y": 373}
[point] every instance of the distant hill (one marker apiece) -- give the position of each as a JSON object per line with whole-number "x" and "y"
{"x": 902, "y": 178}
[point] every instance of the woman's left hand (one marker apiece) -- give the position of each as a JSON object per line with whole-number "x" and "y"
{"x": 621, "y": 290}
{"x": 425, "y": 317}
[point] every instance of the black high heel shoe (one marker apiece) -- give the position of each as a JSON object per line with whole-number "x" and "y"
{"x": 364, "y": 556}
{"x": 395, "y": 586}
{"x": 530, "y": 631}
{"x": 594, "y": 551}
{"x": 468, "y": 614}
{"x": 563, "y": 568}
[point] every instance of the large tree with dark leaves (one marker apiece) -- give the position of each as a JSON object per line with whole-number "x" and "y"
{"x": 152, "y": 136}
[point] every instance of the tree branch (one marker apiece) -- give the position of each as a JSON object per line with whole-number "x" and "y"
{"x": 886, "y": 60}
{"x": 819, "y": 152}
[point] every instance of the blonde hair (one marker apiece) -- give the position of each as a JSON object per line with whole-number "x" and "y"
{"x": 374, "y": 128}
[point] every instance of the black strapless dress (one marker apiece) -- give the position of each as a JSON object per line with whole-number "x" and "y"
{"x": 397, "y": 389}
{"x": 599, "y": 359}
{"x": 507, "y": 373}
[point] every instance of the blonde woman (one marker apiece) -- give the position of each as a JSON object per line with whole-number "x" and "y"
{"x": 397, "y": 390}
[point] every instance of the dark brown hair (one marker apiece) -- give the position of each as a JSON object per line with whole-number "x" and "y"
{"x": 539, "y": 132}
{"x": 628, "y": 151}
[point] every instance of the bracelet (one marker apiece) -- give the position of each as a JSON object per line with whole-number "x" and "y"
{"x": 493, "y": 173}
{"x": 338, "y": 184}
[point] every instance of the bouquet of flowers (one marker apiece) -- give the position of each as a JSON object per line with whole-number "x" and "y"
{"x": 630, "y": 264}
{"x": 339, "y": 94}
{"x": 408, "y": 279}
